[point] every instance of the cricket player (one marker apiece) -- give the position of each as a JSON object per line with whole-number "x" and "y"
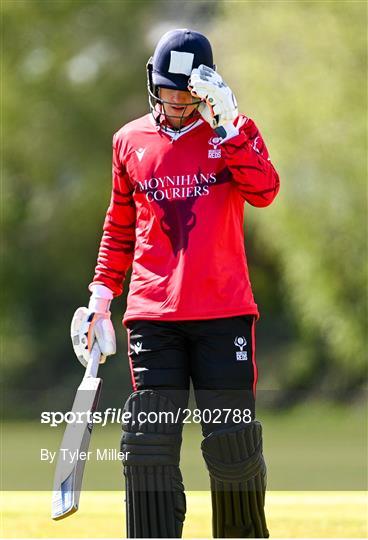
{"x": 182, "y": 175}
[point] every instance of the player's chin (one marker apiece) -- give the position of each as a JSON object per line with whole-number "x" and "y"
{"x": 177, "y": 111}
{"x": 183, "y": 116}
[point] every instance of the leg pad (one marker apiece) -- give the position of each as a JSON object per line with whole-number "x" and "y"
{"x": 155, "y": 499}
{"x": 238, "y": 481}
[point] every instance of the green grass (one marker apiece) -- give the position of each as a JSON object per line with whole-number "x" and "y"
{"x": 290, "y": 514}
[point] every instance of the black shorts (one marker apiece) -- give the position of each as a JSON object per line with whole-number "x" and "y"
{"x": 218, "y": 355}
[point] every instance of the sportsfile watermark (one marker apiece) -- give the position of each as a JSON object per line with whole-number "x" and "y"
{"x": 113, "y": 415}
{"x": 290, "y": 441}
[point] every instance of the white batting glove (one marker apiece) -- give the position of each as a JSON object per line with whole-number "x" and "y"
{"x": 219, "y": 107}
{"x": 94, "y": 323}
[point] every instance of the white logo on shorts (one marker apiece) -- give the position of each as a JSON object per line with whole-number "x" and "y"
{"x": 241, "y": 342}
{"x": 137, "y": 347}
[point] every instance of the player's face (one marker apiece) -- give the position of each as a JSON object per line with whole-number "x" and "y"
{"x": 180, "y": 106}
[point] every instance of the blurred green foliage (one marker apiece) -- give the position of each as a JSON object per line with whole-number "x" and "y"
{"x": 299, "y": 69}
{"x": 73, "y": 72}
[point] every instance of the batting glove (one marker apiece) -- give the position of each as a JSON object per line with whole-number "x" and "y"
{"x": 219, "y": 107}
{"x": 94, "y": 323}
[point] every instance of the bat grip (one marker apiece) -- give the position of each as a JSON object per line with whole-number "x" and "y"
{"x": 94, "y": 361}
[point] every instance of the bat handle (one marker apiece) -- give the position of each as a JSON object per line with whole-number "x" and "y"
{"x": 94, "y": 361}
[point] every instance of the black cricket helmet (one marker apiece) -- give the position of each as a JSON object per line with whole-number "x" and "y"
{"x": 176, "y": 54}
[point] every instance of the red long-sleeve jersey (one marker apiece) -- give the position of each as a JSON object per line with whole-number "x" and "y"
{"x": 176, "y": 214}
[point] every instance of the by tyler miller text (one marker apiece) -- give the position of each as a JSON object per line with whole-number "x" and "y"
{"x": 72, "y": 456}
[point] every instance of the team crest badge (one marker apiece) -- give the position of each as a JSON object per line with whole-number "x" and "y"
{"x": 215, "y": 151}
{"x": 241, "y": 342}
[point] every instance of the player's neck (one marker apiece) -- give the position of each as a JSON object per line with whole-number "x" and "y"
{"x": 183, "y": 124}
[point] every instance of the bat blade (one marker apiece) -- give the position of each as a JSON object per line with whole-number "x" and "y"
{"x": 70, "y": 464}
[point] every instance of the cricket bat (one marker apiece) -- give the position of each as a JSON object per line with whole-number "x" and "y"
{"x": 70, "y": 467}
